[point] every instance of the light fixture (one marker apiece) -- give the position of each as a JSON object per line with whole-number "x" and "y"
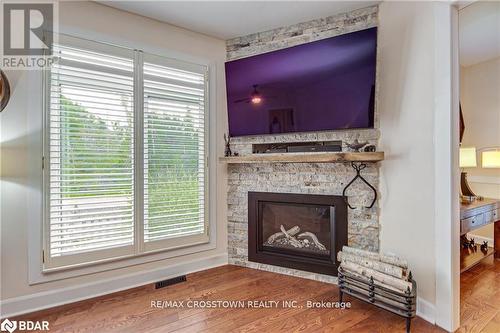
{"x": 467, "y": 160}
{"x": 255, "y": 98}
{"x": 468, "y": 157}
{"x": 490, "y": 159}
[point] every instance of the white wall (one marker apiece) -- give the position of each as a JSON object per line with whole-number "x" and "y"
{"x": 479, "y": 87}
{"x": 21, "y": 133}
{"x": 480, "y": 98}
{"x": 407, "y": 129}
{"x": 415, "y": 124}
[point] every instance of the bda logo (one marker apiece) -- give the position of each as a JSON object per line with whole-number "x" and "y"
{"x": 8, "y": 325}
{"x": 24, "y": 325}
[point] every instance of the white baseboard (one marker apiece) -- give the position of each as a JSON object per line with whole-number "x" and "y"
{"x": 426, "y": 310}
{"x": 25, "y": 304}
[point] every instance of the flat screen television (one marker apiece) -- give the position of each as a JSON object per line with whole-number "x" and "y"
{"x": 323, "y": 85}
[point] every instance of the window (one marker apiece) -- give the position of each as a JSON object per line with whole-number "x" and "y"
{"x": 174, "y": 152}
{"x": 125, "y": 160}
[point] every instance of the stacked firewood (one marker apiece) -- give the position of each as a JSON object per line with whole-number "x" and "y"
{"x": 386, "y": 270}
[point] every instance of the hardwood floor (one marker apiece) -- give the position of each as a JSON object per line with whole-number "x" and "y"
{"x": 131, "y": 311}
{"x": 480, "y": 298}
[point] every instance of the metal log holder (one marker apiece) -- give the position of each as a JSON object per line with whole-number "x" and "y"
{"x": 365, "y": 289}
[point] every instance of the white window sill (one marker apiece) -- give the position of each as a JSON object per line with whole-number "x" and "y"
{"x": 43, "y": 276}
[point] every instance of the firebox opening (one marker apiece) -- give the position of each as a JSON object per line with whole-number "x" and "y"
{"x": 300, "y": 231}
{"x": 299, "y": 228}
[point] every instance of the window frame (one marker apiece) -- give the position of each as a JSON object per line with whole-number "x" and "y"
{"x": 139, "y": 252}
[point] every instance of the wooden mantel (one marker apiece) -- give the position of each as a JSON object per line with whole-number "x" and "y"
{"x": 318, "y": 157}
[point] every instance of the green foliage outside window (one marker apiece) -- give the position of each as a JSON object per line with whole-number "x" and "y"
{"x": 96, "y": 155}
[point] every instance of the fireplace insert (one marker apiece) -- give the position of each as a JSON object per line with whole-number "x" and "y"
{"x": 300, "y": 231}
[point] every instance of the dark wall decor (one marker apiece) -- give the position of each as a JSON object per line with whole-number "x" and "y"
{"x": 359, "y": 167}
{"x": 462, "y": 123}
{"x": 4, "y": 90}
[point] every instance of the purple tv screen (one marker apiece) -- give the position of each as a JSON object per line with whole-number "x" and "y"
{"x": 324, "y": 85}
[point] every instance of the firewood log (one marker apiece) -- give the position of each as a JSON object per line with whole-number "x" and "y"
{"x": 313, "y": 238}
{"x": 292, "y": 232}
{"x": 379, "y": 266}
{"x": 386, "y": 258}
{"x": 377, "y": 283}
{"x": 399, "y": 284}
{"x": 293, "y": 241}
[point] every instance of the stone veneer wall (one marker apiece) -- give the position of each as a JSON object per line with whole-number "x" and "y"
{"x": 314, "y": 178}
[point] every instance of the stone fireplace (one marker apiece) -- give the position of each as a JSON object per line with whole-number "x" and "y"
{"x": 301, "y": 231}
{"x": 323, "y": 179}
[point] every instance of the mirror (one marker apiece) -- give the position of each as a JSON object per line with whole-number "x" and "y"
{"x": 4, "y": 90}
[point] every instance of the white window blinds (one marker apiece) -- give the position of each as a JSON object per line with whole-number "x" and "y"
{"x": 174, "y": 152}
{"x": 115, "y": 188}
{"x": 90, "y": 152}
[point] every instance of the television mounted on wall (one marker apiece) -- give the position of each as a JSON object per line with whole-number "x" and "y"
{"x": 324, "y": 85}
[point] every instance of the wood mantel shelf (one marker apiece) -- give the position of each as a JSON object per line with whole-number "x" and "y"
{"x": 319, "y": 157}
